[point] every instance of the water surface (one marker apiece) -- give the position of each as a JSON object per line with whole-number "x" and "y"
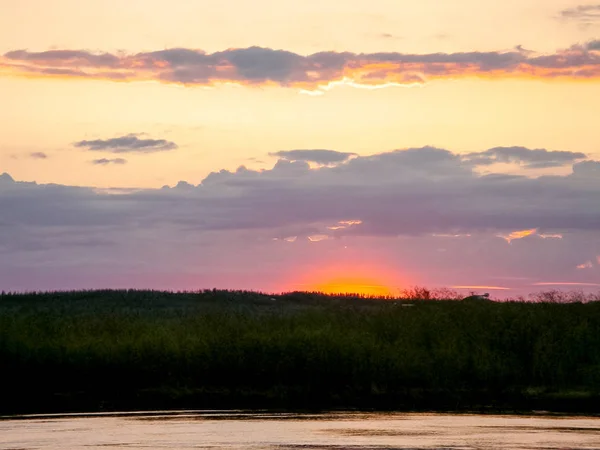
{"x": 333, "y": 431}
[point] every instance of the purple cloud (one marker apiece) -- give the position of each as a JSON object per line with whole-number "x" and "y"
{"x": 318, "y": 156}
{"x": 107, "y": 161}
{"x": 263, "y": 66}
{"x": 422, "y": 209}
{"x": 127, "y": 144}
{"x": 65, "y": 58}
{"x": 583, "y": 14}
{"x": 530, "y": 159}
{"x": 403, "y": 192}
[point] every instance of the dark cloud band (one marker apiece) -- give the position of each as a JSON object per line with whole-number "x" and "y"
{"x": 403, "y": 192}
{"x": 531, "y": 159}
{"x": 127, "y": 144}
{"x": 266, "y": 66}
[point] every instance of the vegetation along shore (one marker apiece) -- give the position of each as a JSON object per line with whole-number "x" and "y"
{"x": 139, "y": 350}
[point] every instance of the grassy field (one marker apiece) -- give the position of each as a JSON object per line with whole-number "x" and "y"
{"x": 115, "y": 350}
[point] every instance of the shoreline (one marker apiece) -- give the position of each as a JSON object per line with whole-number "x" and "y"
{"x": 448, "y": 402}
{"x": 291, "y": 413}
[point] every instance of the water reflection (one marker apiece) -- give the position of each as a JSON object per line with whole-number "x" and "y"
{"x": 265, "y": 430}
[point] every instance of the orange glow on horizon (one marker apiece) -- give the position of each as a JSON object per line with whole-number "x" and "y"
{"x": 351, "y": 285}
{"x": 369, "y": 279}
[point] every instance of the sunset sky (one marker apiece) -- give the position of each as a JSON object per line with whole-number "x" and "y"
{"x": 279, "y": 145}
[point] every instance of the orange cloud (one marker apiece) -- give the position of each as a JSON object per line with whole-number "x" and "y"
{"x": 314, "y": 74}
{"x": 490, "y": 288}
{"x": 518, "y": 235}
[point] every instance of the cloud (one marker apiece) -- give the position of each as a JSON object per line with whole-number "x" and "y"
{"x": 107, "y": 161}
{"x": 318, "y": 237}
{"x": 343, "y": 224}
{"x": 550, "y": 235}
{"x": 530, "y": 159}
{"x": 587, "y": 169}
{"x": 491, "y": 288}
{"x": 583, "y": 14}
{"x": 32, "y": 155}
{"x": 389, "y": 36}
{"x": 522, "y": 234}
{"x": 401, "y": 205}
{"x": 65, "y": 58}
{"x": 6, "y": 178}
{"x": 130, "y": 143}
{"x": 519, "y": 234}
{"x": 317, "y": 156}
{"x": 314, "y": 73}
{"x": 416, "y": 191}
{"x": 585, "y": 265}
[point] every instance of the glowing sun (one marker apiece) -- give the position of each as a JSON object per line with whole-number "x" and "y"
{"x": 357, "y": 275}
{"x": 353, "y": 285}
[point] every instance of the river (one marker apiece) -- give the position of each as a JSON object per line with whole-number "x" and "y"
{"x": 333, "y": 431}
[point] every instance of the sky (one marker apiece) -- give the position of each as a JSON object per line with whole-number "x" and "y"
{"x": 279, "y": 145}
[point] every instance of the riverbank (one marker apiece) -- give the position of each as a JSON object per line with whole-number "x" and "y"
{"x": 144, "y": 350}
